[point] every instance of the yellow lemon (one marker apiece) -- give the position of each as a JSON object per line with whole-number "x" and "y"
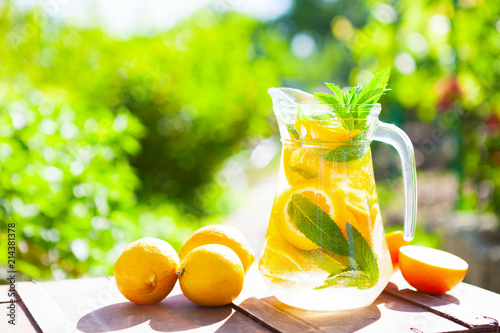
{"x": 223, "y": 235}
{"x": 211, "y": 275}
{"x": 145, "y": 272}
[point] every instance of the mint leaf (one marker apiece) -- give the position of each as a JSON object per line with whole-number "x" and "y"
{"x": 375, "y": 88}
{"x": 320, "y": 228}
{"x": 362, "y": 253}
{"x": 328, "y": 98}
{"x": 349, "y": 106}
{"x": 350, "y": 95}
{"x": 301, "y": 115}
{"x": 346, "y": 153}
{"x": 337, "y": 92}
{"x": 293, "y": 132}
{"x": 317, "y": 225}
{"x": 304, "y": 173}
{"x": 370, "y": 95}
{"x": 324, "y": 261}
{"x": 335, "y": 103}
{"x": 348, "y": 279}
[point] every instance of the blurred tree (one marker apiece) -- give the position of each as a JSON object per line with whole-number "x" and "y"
{"x": 105, "y": 141}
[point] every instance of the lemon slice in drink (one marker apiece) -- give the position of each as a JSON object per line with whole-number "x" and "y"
{"x": 330, "y": 201}
{"x": 313, "y": 130}
{"x": 300, "y": 163}
{"x": 281, "y": 258}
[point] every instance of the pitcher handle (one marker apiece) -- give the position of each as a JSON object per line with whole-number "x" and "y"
{"x": 394, "y": 136}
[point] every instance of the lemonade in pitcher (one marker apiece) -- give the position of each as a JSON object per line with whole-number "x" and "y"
{"x": 325, "y": 247}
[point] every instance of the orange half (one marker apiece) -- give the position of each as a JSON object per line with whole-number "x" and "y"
{"x": 395, "y": 241}
{"x": 429, "y": 270}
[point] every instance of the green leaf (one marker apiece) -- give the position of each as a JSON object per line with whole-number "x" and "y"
{"x": 349, "y": 95}
{"x": 362, "y": 253}
{"x": 301, "y": 115}
{"x": 330, "y": 100}
{"x": 327, "y": 98}
{"x": 304, "y": 173}
{"x": 341, "y": 103}
{"x": 317, "y": 225}
{"x": 293, "y": 132}
{"x": 348, "y": 279}
{"x": 375, "y": 88}
{"x": 370, "y": 96}
{"x": 321, "y": 229}
{"x": 322, "y": 117}
{"x": 337, "y": 92}
{"x": 325, "y": 261}
{"x": 346, "y": 153}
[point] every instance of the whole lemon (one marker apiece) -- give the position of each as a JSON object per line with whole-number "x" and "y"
{"x": 223, "y": 235}
{"x": 211, "y": 275}
{"x": 146, "y": 270}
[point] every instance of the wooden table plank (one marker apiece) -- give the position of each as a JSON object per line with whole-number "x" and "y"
{"x": 95, "y": 305}
{"x": 48, "y": 315}
{"x": 467, "y": 314}
{"x": 23, "y": 320}
{"x": 271, "y": 317}
{"x": 386, "y": 314}
{"x": 482, "y": 301}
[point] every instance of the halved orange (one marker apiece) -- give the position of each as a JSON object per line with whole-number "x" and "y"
{"x": 395, "y": 241}
{"x": 429, "y": 270}
{"x": 330, "y": 201}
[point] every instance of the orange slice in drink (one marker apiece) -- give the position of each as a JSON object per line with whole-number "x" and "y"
{"x": 330, "y": 201}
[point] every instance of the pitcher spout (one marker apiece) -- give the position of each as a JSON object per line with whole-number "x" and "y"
{"x": 289, "y": 97}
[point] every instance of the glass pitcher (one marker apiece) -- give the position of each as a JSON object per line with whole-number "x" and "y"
{"x": 325, "y": 245}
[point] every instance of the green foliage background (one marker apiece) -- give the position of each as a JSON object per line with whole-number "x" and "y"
{"x": 104, "y": 141}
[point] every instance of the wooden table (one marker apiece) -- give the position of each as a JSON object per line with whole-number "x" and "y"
{"x": 95, "y": 305}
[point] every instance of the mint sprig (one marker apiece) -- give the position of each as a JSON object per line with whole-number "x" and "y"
{"x": 349, "y": 106}
{"x": 321, "y": 229}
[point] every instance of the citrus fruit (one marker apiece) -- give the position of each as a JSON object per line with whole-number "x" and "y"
{"x": 145, "y": 271}
{"x": 223, "y": 235}
{"x": 330, "y": 201}
{"x": 300, "y": 163}
{"x": 313, "y": 130}
{"x": 280, "y": 258}
{"x": 211, "y": 275}
{"x": 395, "y": 241}
{"x": 429, "y": 270}
{"x": 374, "y": 212}
{"x": 357, "y": 203}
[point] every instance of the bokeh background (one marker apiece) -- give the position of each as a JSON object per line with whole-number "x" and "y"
{"x": 125, "y": 119}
